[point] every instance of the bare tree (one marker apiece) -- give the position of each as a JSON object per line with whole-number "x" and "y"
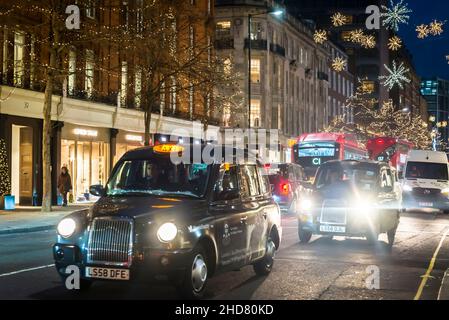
{"x": 45, "y": 21}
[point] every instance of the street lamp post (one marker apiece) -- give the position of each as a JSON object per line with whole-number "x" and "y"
{"x": 274, "y": 12}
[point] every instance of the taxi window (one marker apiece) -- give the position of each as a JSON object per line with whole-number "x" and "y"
{"x": 159, "y": 177}
{"x": 264, "y": 181}
{"x": 249, "y": 179}
{"x": 227, "y": 186}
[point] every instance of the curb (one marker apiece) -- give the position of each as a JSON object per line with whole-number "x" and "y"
{"x": 27, "y": 230}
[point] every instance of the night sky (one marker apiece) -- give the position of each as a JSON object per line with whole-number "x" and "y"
{"x": 429, "y": 54}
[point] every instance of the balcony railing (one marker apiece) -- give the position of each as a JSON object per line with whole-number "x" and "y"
{"x": 257, "y": 44}
{"x": 277, "y": 49}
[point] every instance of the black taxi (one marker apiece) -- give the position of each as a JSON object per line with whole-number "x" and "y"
{"x": 164, "y": 216}
{"x": 351, "y": 198}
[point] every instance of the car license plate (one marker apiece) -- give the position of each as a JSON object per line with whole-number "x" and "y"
{"x": 332, "y": 229}
{"x": 107, "y": 273}
{"x": 426, "y": 204}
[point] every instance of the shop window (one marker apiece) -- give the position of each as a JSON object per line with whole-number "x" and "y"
{"x": 88, "y": 163}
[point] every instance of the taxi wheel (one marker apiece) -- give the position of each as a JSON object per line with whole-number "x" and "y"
{"x": 391, "y": 236}
{"x": 196, "y": 276}
{"x": 264, "y": 266}
{"x": 304, "y": 236}
{"x": 372, "y": 237}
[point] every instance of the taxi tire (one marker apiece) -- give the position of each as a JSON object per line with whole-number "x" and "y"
{"x": 391, "y": 237}
{"x": 186, "y": 289}
{"x": 304, "y": 236}
{"x": 372, "y": 237}
{"x": 264, "y": 266}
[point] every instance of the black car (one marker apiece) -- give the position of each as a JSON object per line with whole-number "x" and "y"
{"x": 352, "y": 198}
{"x": 180, "y": 222}
{"x": 287, "y": 181}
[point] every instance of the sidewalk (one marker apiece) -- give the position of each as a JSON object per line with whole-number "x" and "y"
{"x": 31, "y": 219}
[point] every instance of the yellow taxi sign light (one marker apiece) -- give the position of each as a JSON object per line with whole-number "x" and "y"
{"x": 168, "y": 148}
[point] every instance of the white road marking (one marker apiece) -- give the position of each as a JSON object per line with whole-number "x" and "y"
{"x": 443, "y": 283}
{"x": 25, "y": 270}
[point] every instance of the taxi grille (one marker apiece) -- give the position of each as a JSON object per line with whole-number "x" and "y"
{"x": 333, "y": 212}
{"x": 110, "y": 242}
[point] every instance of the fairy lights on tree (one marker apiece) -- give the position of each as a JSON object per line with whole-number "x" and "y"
{"x": 395, "y": 15}
{"x": 387, "y": 120}
{"x": 397, "y": 75}
{"x": 5, "y": 184}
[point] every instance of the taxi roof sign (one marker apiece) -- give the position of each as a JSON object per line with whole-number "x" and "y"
{"x": 168, "y": 148}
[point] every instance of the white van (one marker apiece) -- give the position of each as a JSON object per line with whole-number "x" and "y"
{"x": 426, "y": 181}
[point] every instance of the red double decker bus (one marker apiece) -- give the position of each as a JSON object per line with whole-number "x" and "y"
{"x": 314, "y": 149}
{"x": 391, "y": 150}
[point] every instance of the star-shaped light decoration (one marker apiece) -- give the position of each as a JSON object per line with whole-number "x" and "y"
{"x": 436, "y": 28}
{"x": 339, "y": 64}
{"x": 339, "y": 19}
{"x": 320, "y": 36}
{"x": 423, "y": 31}
{"x": 394, "y": 43}
{"x": 395, "y": 15}
{"x": 368, "y": 42}
{"x": 396, "y": 76}
{"x": 356, "y": 36}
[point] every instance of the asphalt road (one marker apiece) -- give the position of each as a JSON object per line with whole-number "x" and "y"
{"x": 324, "y": 269}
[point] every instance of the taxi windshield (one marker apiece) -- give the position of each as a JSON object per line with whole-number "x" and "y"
{"x": 362, "y": 177}
{"x": 159, "y": 177}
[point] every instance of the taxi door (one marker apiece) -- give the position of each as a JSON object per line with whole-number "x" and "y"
{"x": 256, "y": 215}
{"x": 229, "y": 215}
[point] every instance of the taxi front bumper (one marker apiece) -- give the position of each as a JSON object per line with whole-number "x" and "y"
{"x": 148, "y": 266}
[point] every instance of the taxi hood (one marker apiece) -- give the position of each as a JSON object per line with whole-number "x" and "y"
{"x": 137, "y": 207}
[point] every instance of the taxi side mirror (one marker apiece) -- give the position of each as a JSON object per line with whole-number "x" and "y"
{"x": 97, "y": 190}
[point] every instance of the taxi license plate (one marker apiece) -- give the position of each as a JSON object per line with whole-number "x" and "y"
{"x": 107, "y": 273}
{"x": 426, "y": 204}
{"x": 333, "y": 229}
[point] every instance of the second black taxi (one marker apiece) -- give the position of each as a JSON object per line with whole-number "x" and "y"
{"x": 354, "y": 199}
{"x": 158, "y": 220}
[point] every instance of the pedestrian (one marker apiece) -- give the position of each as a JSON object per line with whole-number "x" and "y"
{"x": 64, "y": 184}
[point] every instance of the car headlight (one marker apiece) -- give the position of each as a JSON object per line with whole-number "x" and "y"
{"x": 167, "y": 232}
{"x": 445, "y": 191}
{"x": 306, "y": 204}
{"x": 66, "y": 228}
{"x": 407, "y": 188}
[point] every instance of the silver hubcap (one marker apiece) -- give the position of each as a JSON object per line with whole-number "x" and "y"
{"x": 271, "y": 252}
{"x": 199, "y": 273}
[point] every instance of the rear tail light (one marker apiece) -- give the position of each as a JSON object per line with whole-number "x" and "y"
{"x": 285, "y": 188}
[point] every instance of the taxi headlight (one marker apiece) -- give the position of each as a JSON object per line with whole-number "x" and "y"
{"x": 445, "y": 191}
{"x": 364, "y": 207}
{"x": 66, "y": 228}
{"x": 407, "y": 189}
{"x": 306, "y": 204}
{"x": 167, "y": 232}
